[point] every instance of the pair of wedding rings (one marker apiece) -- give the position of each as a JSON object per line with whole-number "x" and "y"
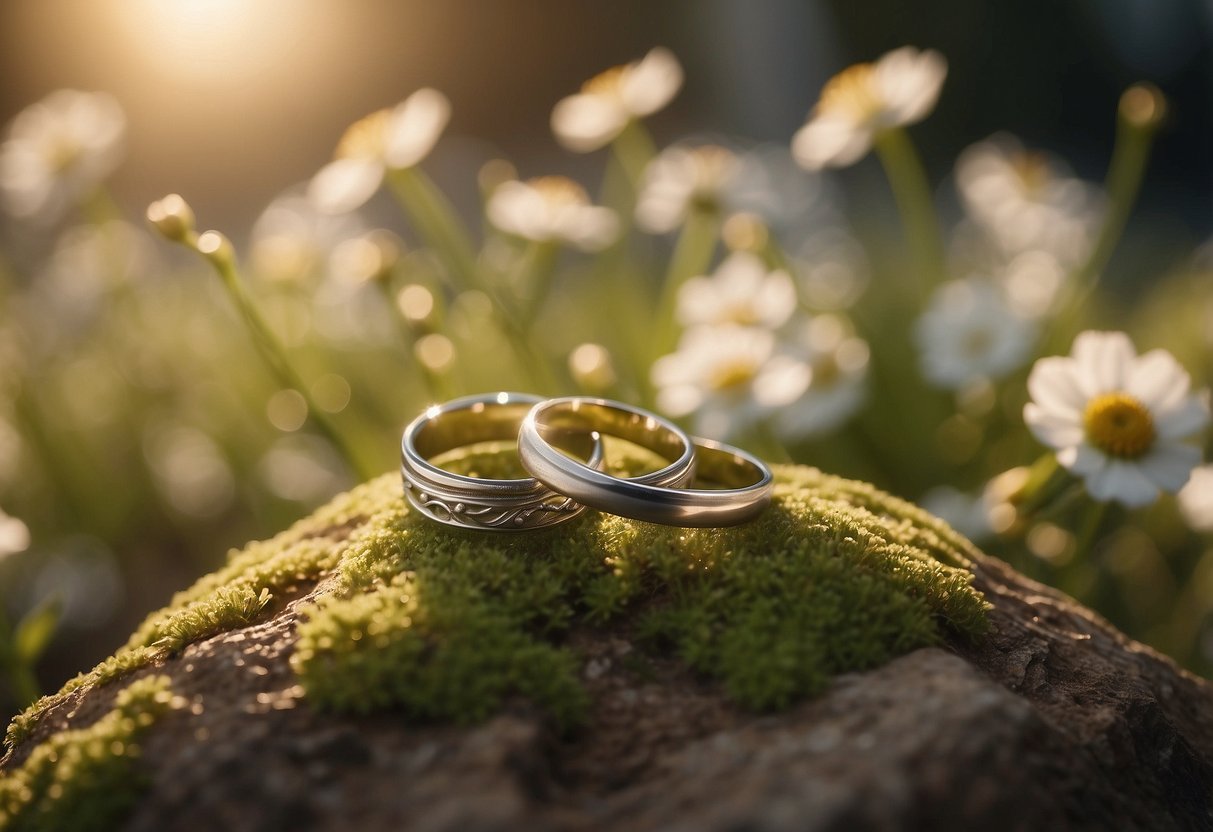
{"x": 560, "y": 445}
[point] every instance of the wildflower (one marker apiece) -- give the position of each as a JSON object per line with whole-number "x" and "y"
{"x": 729, "y": 376}
{"x": 552, "y": 209}
{"x": 1196, "y": 499}
{"x": 901, "y": 88}
{"x": 1024, "y": 201}
{"x": 610, "y": 101}
{"x": 681, "y": 179}
{"x": 741, "y": 291}
{"x": 1117, "y": 420}
{"x": 57, "y": 149}
{"x": 389, "y": 139}
{"x": 969, "y": 332}
{"x": 14, "y": 535}
{"x": 293, "y": 240}
{"x": 838, "y": 369}
{"x": 965, "y": 512}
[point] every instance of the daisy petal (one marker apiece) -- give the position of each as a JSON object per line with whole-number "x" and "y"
{"x": 1053, "y": 386}
{"x": 415, "y": 127}
{"x": 1104, "y": 359}
{"x": 583, "y": 123}
{"x": 1170, "y": 464}
{"x": 1189, "y": 417}
{"x": 1123, "y": 482}
{"x": 344, "y": 185}
{"x": 1157, "y": 380}
{"x": 1082, "y": 460}
{"x": 1050, "y": 428}
{"x": 830, "y": 142}
{"x": 651, "y": 82}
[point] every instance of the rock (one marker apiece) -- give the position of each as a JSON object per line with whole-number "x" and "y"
{"x": 1050, "y": 720}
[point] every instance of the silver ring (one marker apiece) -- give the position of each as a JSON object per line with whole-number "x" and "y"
{"x": 748, "y": 481}
{"x": 484, "y": 504}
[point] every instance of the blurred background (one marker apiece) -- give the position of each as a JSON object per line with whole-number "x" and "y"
{"x": 133, "y": 454}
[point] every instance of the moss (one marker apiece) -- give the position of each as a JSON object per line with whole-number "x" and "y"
{"x": 442, "y": 624}
{"x": 88, "y": 778}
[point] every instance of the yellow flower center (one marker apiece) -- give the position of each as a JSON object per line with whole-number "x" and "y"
{"x": 366, "y": 137}
{"x": 853, "y": 92}
{"x": 1119, "y": 425}
{"x": 560, "y": 190}
{"x": 1032, "y": 170}
{"x": 605, "y": 83}
{"x": 731, "y": 375}
{"x": 826, "y": 371}
{"x": 61, "y": 153}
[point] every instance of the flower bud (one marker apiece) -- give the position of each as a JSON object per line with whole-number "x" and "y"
{"x": 1143, "y": 106}
{"x": 215, "y": 247}
{"x": 173, "y": 218}
{"x": 592, "y": 368}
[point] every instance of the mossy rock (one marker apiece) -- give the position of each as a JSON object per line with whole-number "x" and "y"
{"x": 590, "y": 633}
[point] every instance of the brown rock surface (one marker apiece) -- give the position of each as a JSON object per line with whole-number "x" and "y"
{"x": 1053, "y": 721}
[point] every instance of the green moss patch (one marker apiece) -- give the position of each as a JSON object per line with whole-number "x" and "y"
{"x": 86, "y": 779}
{"x": 441, "y": 624}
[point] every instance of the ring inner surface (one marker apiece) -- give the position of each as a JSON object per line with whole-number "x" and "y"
{"x": 586, "y": 417}
{"x": 719, "y": 469}
{"x": 489, "y": 423}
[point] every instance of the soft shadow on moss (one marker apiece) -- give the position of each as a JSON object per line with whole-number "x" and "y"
{"x": 442, "y": 624}
{"x": 86, "y": 779}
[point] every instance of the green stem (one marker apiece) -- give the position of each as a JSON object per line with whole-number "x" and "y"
{"x": 1126, "y": 170}
{"x": 692, "y": 256}
{"x": 533, "y": 278}
{"x": 912, "y": 192}
{"x": 21, "y": 676}
{"x": 275, "y": 356}
{"x": 438, "y": 223}
{"x": 634, "y": 149}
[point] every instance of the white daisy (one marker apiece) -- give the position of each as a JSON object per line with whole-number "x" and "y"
{"x": 901, "y": 88}
{"x": 57, "y": 149}
{"x": 1025, "y": 200}
{"x": 728, "y": 376}
{"x": 14, "y": 535}
{"x": 741, "y": 291}
{"x": 390, "y": 139}
{"x": 293, "y": 240}
{"x": 1117, "y": 420}
{"x": 552, "y": 209}
{"x": 965, "y": 512}
{"x": 611, "y": 100}
{"x": 1196, "y": 499}
{"x": 838, "y": 369}
{"x": 970, "y": 332}
{"x": 679, "y": 178}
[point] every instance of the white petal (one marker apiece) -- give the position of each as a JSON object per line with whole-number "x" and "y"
{"x": 1189, "y": 417}
{"x": 1169, "y": 464}
{"x": 1082, "y": 460}
{"x": 1104, "y": 360}
{"x": 1053, "y": 386}
{"x": 593, "y": 228}
{"x": 415, "y": 127}
{"x": 781, "y": 381}
{"x": 651, "y": 83}
{"x": 679, "y": 400}
{"x": 909, "y": 83}
{"x": 1123, "y": 482}
{"x": 1050, "y": 428}
{"x": 344, "y": 185}
{"x": 1157, "y": 380}
{"x": 830, "y": 141}
{"x": 583, "y": 122}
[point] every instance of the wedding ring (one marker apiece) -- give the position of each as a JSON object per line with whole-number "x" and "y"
{"x": 484, "y": 504}
{"x": 746, "y": 479}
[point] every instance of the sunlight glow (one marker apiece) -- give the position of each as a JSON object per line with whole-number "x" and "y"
{"x": 211, "y": 39}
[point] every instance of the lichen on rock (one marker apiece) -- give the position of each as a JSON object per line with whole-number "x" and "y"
{"x": 440, "y": 624}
